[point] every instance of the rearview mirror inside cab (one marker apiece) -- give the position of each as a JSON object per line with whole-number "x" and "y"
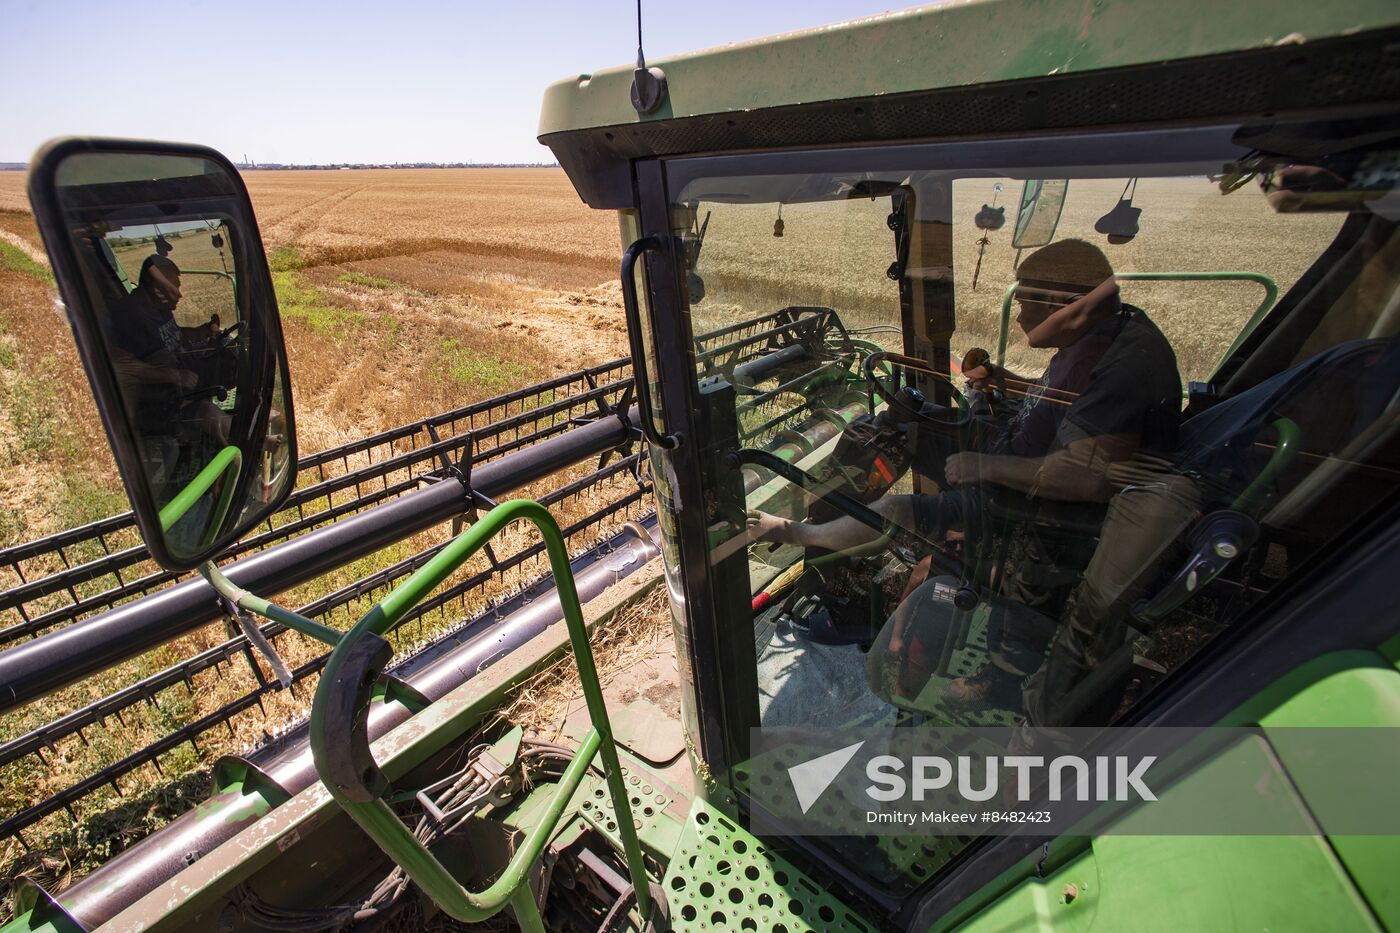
{"x": 161, "y": 267}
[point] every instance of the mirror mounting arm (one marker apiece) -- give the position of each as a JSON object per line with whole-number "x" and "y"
{"x": 255, "y": 637}
{"x": 233, "y": 594}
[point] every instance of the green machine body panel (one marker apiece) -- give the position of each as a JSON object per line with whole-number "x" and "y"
{"x": 1236, "y": 882}
{"x": 947, "y": 45}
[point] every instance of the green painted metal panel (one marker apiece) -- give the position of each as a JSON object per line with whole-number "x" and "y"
{"x": 1236, "y": 882}
{"x": 1174, "y": 883}
{"x": 1390, "y": 648}
{"x": 1360, "y": 697}
{"x": 951, "y": 45}
{"x": 657, "y": 831}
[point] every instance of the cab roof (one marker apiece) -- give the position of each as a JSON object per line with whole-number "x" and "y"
{"x": 750, "y": 95}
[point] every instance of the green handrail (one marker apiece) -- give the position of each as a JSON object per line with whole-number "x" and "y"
{"x": 1270, "y": 296}
{"x": 385, "y": 827}
{"x": 226, "y": 460}
{"x": 215, "y": 272}
{"x": 1284, "y": 451}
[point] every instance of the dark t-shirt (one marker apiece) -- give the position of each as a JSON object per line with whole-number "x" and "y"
{"x": 1134, "y": 390}
{"x": 143, "y": 330}
{"x": 152, "y": 335}
{"x": 1033, "y": 429}
{"x": 1120, "y": 378}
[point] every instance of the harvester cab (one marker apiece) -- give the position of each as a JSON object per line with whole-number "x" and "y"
{"x": 1011, "y": 406}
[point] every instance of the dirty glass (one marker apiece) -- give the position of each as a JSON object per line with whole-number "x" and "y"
{"x": 961, "y": 482}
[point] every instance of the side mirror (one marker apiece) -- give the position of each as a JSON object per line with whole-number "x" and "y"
{"x": 162, "y": 271}
{"x": 1042, "y": 202}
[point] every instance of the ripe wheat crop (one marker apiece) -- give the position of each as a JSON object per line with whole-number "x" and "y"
{"x": 405, "y": 293}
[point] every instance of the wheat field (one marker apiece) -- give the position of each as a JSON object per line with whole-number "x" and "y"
{"x": 403, "y": 294}
{"x": 409, "y": 292}
{"x": 835, "y": 253}
{"x": 395, "y": 275}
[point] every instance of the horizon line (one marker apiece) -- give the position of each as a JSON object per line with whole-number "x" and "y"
{"x": 300, "y": 166}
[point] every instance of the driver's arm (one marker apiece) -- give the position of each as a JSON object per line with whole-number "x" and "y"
{"x": 837, "y": 535}
{"x": 131, "y": 369}
{"x": 202, "y": 331}
{"x": 989, "y": 375}
{"x": 1077, "y": 472}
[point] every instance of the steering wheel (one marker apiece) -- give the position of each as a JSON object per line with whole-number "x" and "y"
{"x": 210, "y": 392}
{"x": 225, "y": 338}
{"x": 956, "y": 417}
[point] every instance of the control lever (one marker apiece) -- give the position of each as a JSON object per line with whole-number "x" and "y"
{"x": 1220, "y": 537}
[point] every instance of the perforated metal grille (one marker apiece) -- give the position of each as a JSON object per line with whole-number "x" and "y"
{"x": 655, "y": 830}
{"x": 722, "y": 878}
{"x": 898, "y": 864}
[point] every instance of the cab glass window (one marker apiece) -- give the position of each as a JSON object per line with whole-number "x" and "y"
{"x": 1006, "y": 432}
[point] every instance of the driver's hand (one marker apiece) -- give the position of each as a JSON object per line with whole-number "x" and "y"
{"x": 963, "y": 469}
{"x": 184, "y": 379}
{"x": 762, "y": 526}
{"x": 214, "y": 327}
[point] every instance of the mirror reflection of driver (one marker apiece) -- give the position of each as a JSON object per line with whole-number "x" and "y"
{"x": 1110, "y": 393}
{"x": 147, "y": 345}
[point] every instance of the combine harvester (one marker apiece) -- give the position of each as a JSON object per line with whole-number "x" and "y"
{"x": 807, "y": 222}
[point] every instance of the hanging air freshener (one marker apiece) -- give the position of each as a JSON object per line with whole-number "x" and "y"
{"x": 989, "y": 218}
{"x": 778, "y": 224}
{"x": 1121, "y": 223}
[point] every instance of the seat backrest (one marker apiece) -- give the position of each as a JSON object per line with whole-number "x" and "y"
{"x": 1331, "y": 398}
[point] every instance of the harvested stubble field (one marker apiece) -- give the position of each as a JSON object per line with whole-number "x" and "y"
{"x": 406, "y": 293}
{"x": 403, "y": 294}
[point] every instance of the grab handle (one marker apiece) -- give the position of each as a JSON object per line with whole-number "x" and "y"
{"x": 634, "y": 338}
{"x": 340, "y": 741}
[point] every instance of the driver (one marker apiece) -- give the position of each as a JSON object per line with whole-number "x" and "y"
{"x": 147, "y": 345}
{"x": 1110, "y": 392}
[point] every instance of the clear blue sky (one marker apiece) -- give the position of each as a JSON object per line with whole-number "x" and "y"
{"x": 348, "y": 81}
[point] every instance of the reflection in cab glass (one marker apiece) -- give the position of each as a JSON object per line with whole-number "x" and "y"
{"x": 199, "y": 414}
{"x": 1014, "y": 467}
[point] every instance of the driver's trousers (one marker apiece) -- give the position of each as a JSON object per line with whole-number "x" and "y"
{"x": 1141, "y": 531}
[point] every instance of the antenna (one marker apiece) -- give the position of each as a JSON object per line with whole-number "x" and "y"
{"x": 648, "y": 84}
